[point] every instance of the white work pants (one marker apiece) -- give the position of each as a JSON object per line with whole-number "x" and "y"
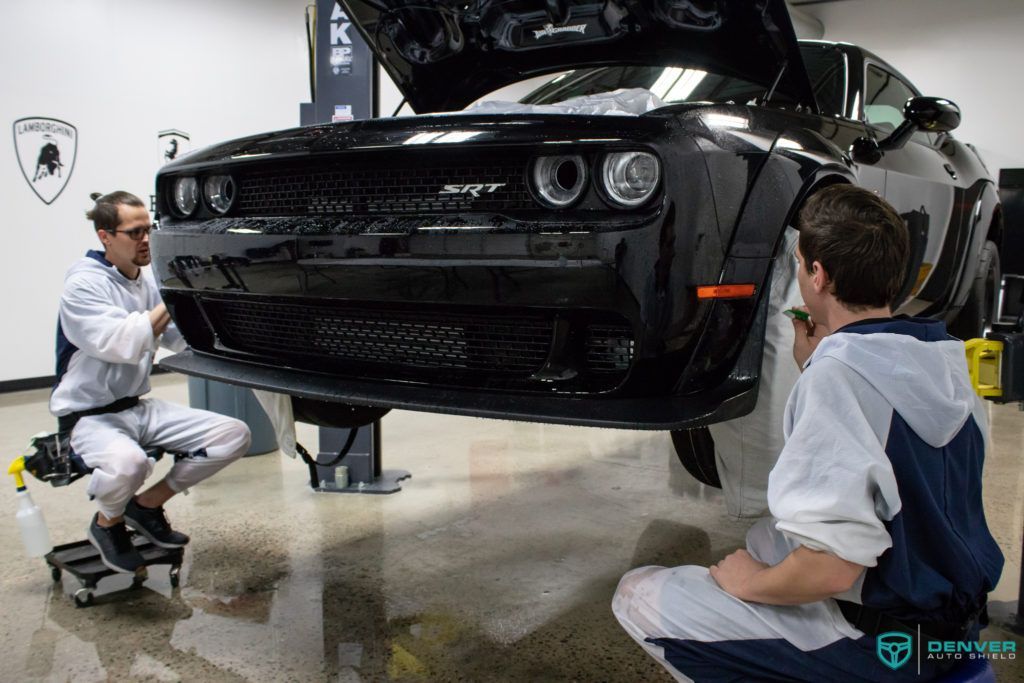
{"x": 115, "y": 443}
{"x": 697, "y": 631}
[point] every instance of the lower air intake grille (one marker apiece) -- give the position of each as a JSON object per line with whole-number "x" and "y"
{"x": 458, "y": 342}
{"x": 609, "y": 347}
{"x": 439, "y": 347}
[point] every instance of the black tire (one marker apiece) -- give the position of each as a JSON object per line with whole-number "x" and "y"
{"x": 55, "y": 574}
{"x": 695, "y": 449}
{"x": 979, "y": 310}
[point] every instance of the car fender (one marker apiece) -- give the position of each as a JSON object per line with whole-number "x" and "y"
{"x": 783, "y": 182}
{"x": 983, "y": 212}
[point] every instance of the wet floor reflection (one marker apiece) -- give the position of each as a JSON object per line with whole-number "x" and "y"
{"x": 126, "y": 636}
{"x": 499, "y": 566}
{"x": 497, "y": 562}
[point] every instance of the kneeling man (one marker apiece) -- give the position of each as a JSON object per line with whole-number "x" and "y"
{"x": 876, "y": 522}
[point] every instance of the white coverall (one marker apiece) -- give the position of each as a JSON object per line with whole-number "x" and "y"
{"x": 105, "y": 350}
{"x": 881, "y": 467}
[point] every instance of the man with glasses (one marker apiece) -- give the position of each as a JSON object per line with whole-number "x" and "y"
{"x": 111, "y": 323}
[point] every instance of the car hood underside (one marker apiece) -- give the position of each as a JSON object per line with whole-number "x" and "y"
{"x": 443, "y": 55}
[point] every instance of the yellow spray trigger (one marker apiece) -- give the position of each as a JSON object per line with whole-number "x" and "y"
{"x": 16, "y": 468}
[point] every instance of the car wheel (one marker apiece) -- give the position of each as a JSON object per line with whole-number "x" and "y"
{"x": 695, "y": 448}
{"x": 979, "y": 310}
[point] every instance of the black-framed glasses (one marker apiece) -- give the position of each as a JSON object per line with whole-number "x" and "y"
{"x": 135, "y": 234}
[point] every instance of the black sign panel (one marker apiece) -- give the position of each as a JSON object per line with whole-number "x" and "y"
{"x": 344, "y": 68}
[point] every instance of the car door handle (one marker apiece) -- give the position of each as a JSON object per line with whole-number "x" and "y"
{"x": 951, "y": 171}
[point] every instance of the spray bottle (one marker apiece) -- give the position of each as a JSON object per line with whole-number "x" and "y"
{"x": 30, "y": 518}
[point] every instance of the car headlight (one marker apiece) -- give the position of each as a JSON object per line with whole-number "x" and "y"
{"x": 186, "y": 195}
{"x": 219, "y": 192}
{"x": 559, "y": 181}
{"x": 630, "y": 178}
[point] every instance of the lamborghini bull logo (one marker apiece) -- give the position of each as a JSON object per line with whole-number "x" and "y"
{"x": 894, "y": 648}
{"x": 46, "y": 150}
{"x": 49, "y": 159}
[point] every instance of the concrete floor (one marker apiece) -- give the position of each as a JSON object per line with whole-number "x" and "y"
{"x": 496, "y": 562}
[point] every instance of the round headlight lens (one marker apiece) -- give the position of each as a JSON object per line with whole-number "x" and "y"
{"x": 560, "y": 180}
{"x": 219, "y": 191}
{"x": 630, "y": 178}
{"x": 186, "y": 195}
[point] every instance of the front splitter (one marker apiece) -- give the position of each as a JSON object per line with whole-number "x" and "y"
{"x": 646, "y": 413}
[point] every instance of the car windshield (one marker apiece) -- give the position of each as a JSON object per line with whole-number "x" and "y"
{"x": 824, "y": 63}
{"x": 671, "y": 84}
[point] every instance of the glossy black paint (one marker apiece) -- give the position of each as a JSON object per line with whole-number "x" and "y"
{"x": 733, "y": 178}
{"x": 933, "y": 114}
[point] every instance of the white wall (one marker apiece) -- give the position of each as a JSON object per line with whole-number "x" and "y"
{"x": 970, "y": 51}
{"x": 120, "y": 71}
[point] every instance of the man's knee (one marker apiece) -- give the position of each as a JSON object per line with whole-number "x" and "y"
{"x": 131, "y": 465}
{"x": 122, "y": 474}
{"x": 629, "y": 591}
{"x": 632, "y": 579}
{"x": 241, "y": 434}
{"x": 231, "y": 437}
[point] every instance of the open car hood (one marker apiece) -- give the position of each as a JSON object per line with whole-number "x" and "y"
{"x": 444, "y": 54}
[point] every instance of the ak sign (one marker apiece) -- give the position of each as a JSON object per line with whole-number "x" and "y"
{"x": 46, "y": 150}
{"x": 344, "y": 67}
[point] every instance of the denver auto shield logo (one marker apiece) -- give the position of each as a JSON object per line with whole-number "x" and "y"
{"x": 46, "y": 150}
{"x": 894, "y": 648}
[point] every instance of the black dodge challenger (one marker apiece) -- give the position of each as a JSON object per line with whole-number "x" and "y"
{"x": 589, "y": 270}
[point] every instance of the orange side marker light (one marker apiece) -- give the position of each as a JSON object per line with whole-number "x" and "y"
{"x": 725, "y": 291}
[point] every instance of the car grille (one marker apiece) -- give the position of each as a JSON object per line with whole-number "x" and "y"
{"x": 609, "y": 347}
{"x": 485, "y": 350}
{"x": 407, "y": 187}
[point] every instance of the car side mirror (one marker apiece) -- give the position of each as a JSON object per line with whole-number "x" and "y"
{"x": 930, "y": 114}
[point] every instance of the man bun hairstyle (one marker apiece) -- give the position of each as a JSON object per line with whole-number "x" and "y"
{"x": 860, "y": 240}
{"x": 104, "y": 212}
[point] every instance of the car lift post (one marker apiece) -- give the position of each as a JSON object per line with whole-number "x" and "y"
{"x": 349, "y": 75}
{"x": 364, "y": 463}
{"x": 996, "y": 366}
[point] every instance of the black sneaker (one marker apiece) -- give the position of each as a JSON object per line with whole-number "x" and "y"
{"x": 115, "y": 546}
{"x": 152, "y": 523}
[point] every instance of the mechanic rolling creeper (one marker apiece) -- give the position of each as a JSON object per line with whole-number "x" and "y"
{"x": 82, "y": 560}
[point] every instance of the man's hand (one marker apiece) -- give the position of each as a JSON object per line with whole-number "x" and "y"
{"x": 735, "y": 571}
{"x": 807, "y": 336}
{"x": 159, "y": 318}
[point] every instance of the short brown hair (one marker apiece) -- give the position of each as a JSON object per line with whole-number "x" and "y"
{"x": 860, "y": 240}
{"x": 104, "y": 213}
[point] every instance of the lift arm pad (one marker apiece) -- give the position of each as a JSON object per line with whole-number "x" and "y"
{"x": 996, "y": 366}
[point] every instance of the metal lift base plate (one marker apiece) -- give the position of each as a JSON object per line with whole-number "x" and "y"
{"x": 387, "y": 482}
